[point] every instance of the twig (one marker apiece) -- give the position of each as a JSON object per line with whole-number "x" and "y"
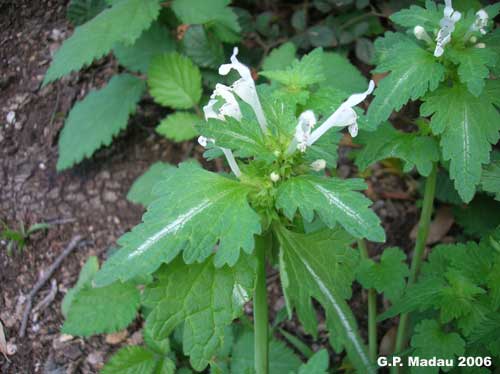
{"x": 43, "y": 279}
{"x": 47, "y": 300}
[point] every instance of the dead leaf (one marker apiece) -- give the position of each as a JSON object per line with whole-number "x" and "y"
{"x": 117, "y": 337}
{"x": 3, "y": 341}
{"x": 439, "y": 227}
{"x": 388, "y": 342}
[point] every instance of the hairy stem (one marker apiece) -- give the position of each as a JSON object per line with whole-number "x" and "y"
{"x": 372, "y": 309}
{"x": 418, "y": 254}
{"x": 260, "y": 307}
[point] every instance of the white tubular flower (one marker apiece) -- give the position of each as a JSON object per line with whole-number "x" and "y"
{"x": 274, "y": 177}
{"x": 344, "y": 116}
{"x": 480, "y": 23}
{"x": 203, "y": 141}
{"x": 307, "y": 121}
{"x": 447, "y": 24}
{"x": 480, "y": 45}
{"x": 245, "y": 87}
{"x": 229, "y": 108}
{"x": 421, "y": 34}
{"x": 318, "y": 165}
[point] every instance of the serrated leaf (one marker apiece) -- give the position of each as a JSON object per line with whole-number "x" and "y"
{"x": 179, "y": 126}
{"x": 388, "y": 142}
{"x": 406, "y": 81}
{"x": 94, "y": 121}
{"x": 281, "y": 358}
{"x": 417, "y": 16}
{"x": 137, "y": 360}
{"x": 431, "y": 341}
{"x": 205, "y": 299}
{"x": 492, "y": 40}
{"x": 203, "y": 47}
{"x": 490, "y": 179}
{"x": 81, "y": 11}
{"x": 341, "y": 74}
{"x": 89, "y": 270}
{"x": 174, "y": 81}
{"x": 317, "y": 364}
{"x": 280, "y": 57}
{"x": 102, "y": 310}
{"x": 326, "y": 148}
{"x": 141, "y": 191}
{"x": 473, "y": 66}
{"x": 467, "y": 125}
{"x": 202, "y": 12}
{"x": 479, "y": 217}
{"x": 152, "y": 42}
{"x": 212, "y": 210}
{"x": 386, "y": 277}
{"x": 335, "y": 200}
{"x": 320, "y": 266}
{"x": 122, "y": 23}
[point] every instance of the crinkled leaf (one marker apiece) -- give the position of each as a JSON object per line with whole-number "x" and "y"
{"x": 280, "y": 57}
{"x": 387, "y": 142}
{"x": 203, "y": 298}
{"x": 415, "y": 15}
{"x": 467, "y": 125}
{"x": 430, "y": 340}
{"x": 138, "y": 360}
{"x": 94, "y": 121}
{"x": 407, "y": 81}
{"x": 141, "y": 191}
{"x": 152, "y": 42}
{"x": 195, "y": 209}
{"x": 81, "y": 11}
{"x": 174, "y": 81}
{"x": 203, "y": 47}
{"x": 202, "y": 12}
{"x": 339, "y": 73}
{"x": 388, "y": 276}
{"x": 122, "y": 23}
{"x": 335, "y": 200}
{"x": 321, "y": 266}
{"x": 179, "y": 126}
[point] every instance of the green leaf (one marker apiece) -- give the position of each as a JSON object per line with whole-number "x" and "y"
{"x": 122, "y": 23}
{"x": 179, "y": 126}
{"x": 321, "y": 266}
{"x": 174, "y": 81}
{"x": 137, "y": 360}
{"x": 386, "y": 277}
{"x": 102, "y": 310}
{"x": 467, "y": 125}
{"x": 431, "y": 341}
{"x": 203, "y": 47}
{"x": 335, "y": 200}
{"x": 152, "y": 42}
{"x": 317, "y": 364}
{"x": 301, "y": 73}
{"x": 341, "y": 74}
{"x": 479, "y": 217}
{"x": 212, "y": 210}
{"x": 281, "y": 358}
{"x": 203, "y": 298}
{"x": 406, "y": 81}
{"x": 490, "y": 179}
{"x": 94, "y": 121}
{"x": 492, "y": 40}
{"x": 141, "y": 191}
{"x": 81, "y": 11}
{"x": 202, "y": 12}
{"x": 280, "y": 57}
{"x": 473, "y": 66}
{"x": 417, "y": 16}
{"x": 87, "y": 273}
{"x": 387, "y": 142}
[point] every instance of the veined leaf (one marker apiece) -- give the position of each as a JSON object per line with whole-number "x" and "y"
{"x": 320, "y": 266}
{"x": 406, "y": 81}
{"x": 490, "y": 180}
{"x": 122, "y": 23}
{"x": 80, "y": 11}
{"x": 280, "y": 57}
{"x": 141, "y": 191}
{"x": 212, "y": 210}
{"x": 203, "y": 298}
{"x": 388, "y": 142}
{"x": 138, "y": 360}
{"x": 415, "y": 15}
{"x": 467, "y": 125}
{"x": 198, "y": 12}
{"x": 339, "y": 73}
{"x": 174, "y": 81}
{"x": 94, "y": 121}
{"x": 203, "y": 47}
{"x": 335, "y": 200}
{"x": 179, "y": 126}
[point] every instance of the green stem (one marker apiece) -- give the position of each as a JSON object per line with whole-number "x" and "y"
{"x": 418, "y": 254}
{"x": 372, "y": 309}
{"x": 260, "y": 308}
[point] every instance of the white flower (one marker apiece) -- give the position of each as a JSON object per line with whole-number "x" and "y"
{"x": 229, "y": 108}
{"x": 318, "y": 165}
{"x": 307, "y": 121}
{"x": 245, "y": 87}
{"x": 480, "y": 45}
{"x": 274, "y": 176}
{"x": 421, "y": 34}
{"x": 447, "y": 24}
{"x": 11, "y": 117}
{"x": 203, "y": 141}
{"x": 481, "y": 22}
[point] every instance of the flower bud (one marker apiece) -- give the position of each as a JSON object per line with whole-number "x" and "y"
{"x": 421, "y": 34}
{"x": 274, "y": 176}
{"x": 318, "y": 165}
{"x": 480, "y": 45}
{"x": 473, "y": 39}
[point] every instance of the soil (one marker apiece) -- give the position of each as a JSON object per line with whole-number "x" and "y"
{"x": 90, "y": 199}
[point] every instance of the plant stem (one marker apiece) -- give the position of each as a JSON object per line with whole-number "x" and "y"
{"x": 372, "y": 309}
{"x": 418, "y": 254}
{"x": 260, "y": 307}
